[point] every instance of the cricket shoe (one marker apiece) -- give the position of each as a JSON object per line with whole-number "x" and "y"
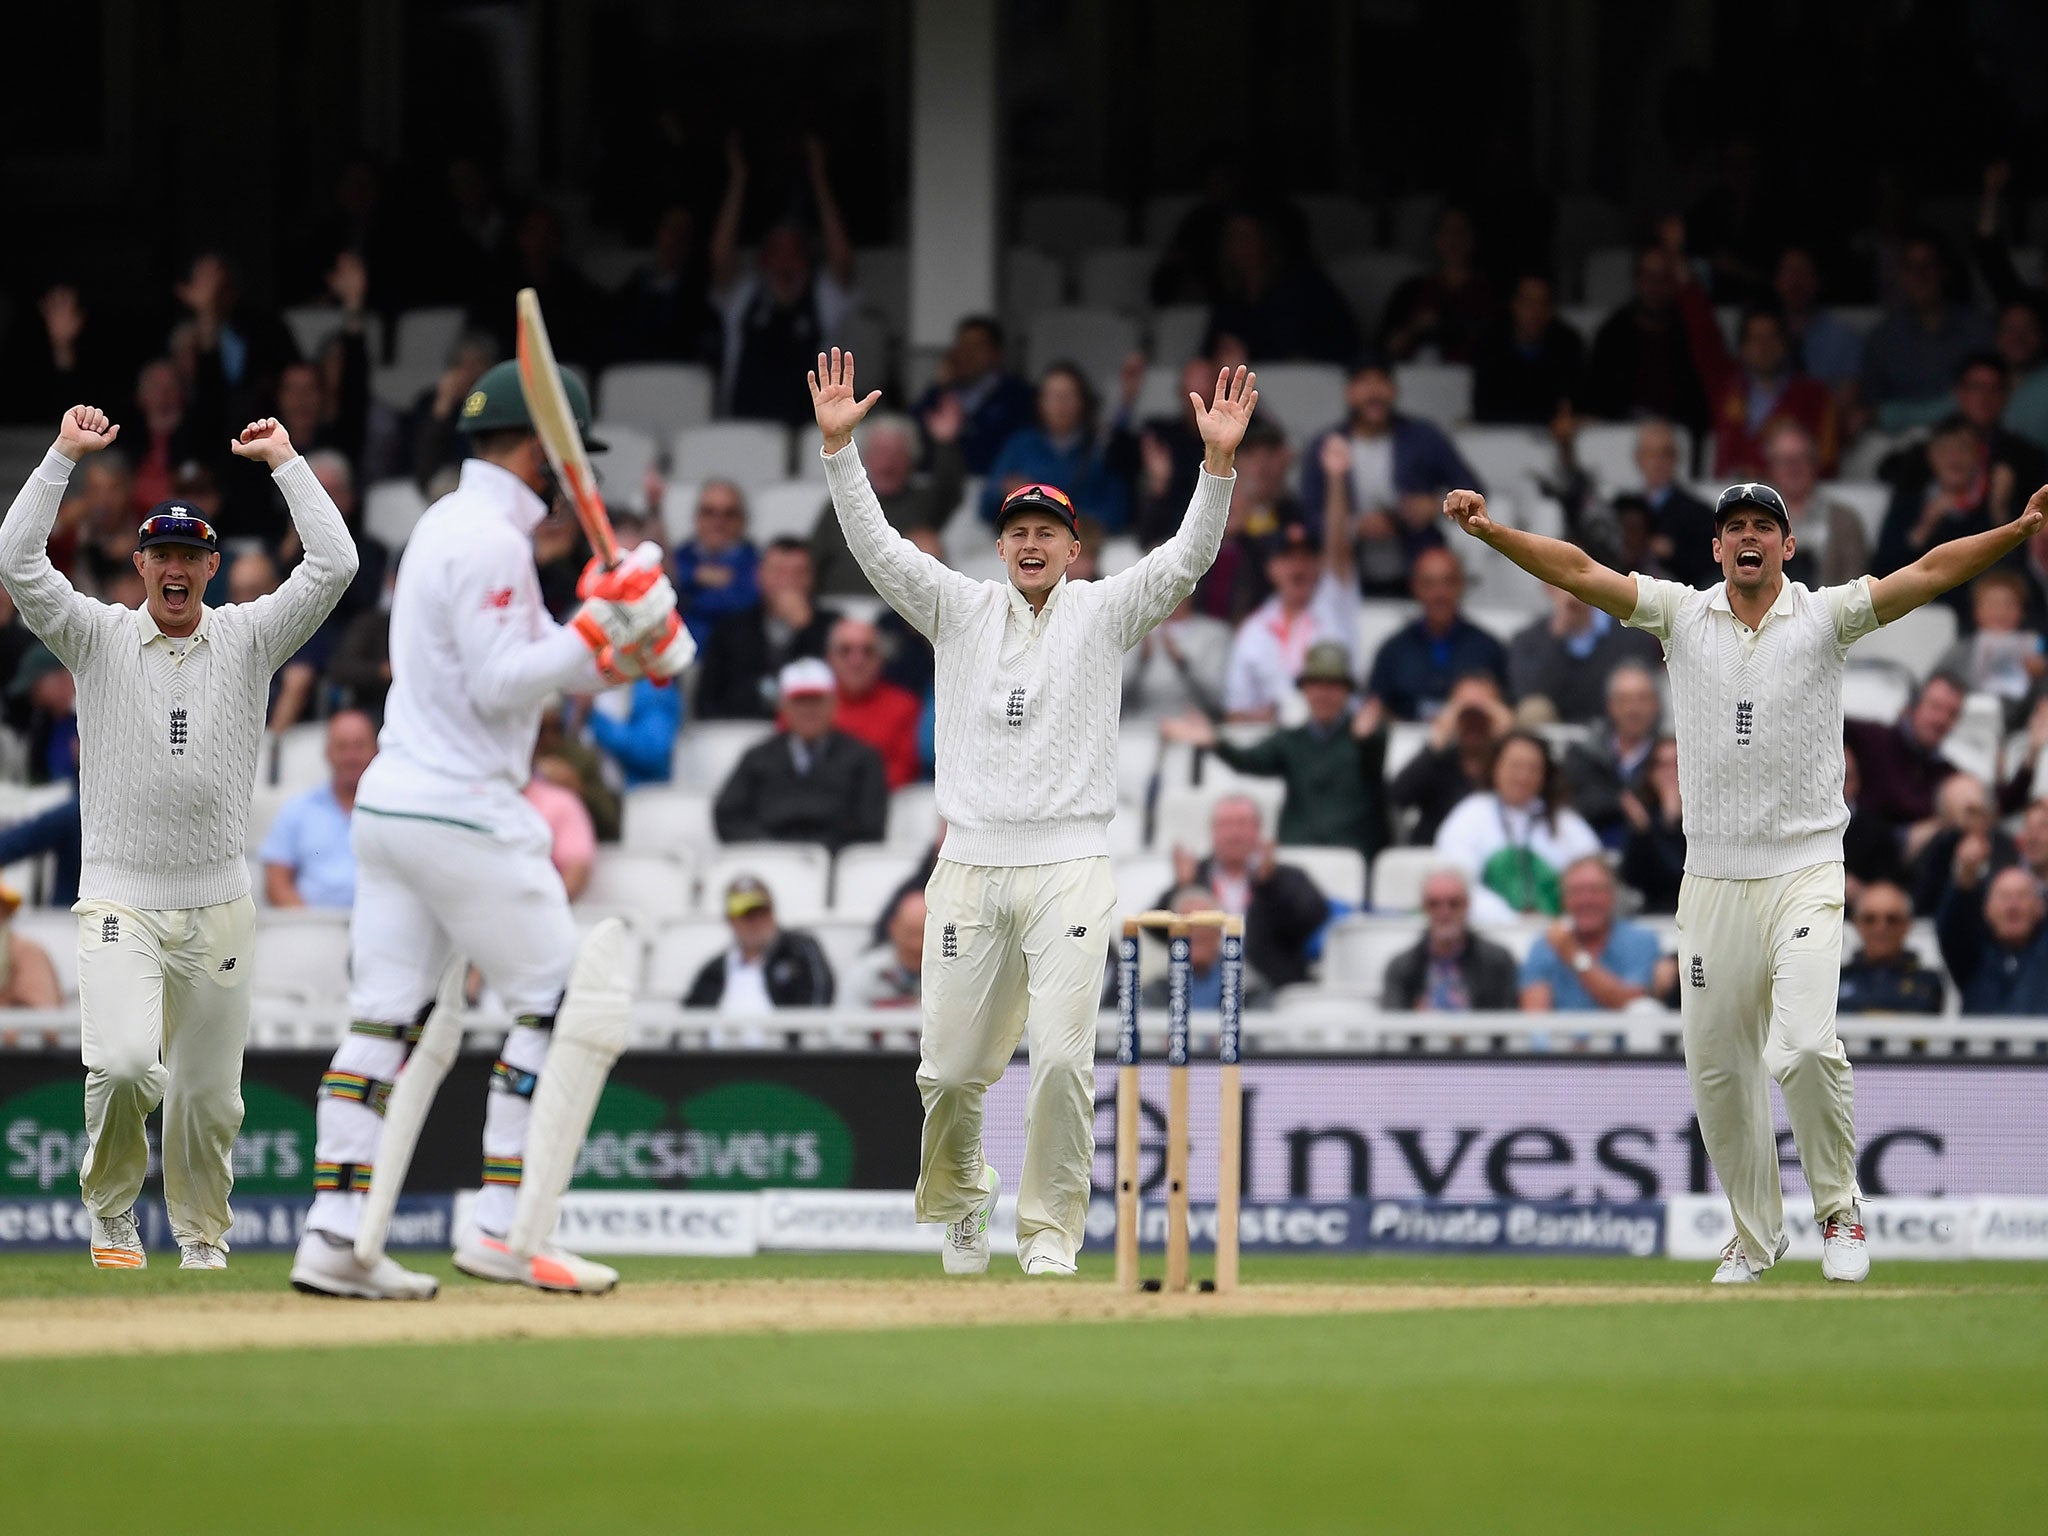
{"x": 1735, "y": 1268}
{"x": 328, "y": 1266}
{"x": 552, "y": 1269}
{"x": 1843, "y": 1253}
{"x": 966, "y": 1250}
{"x": 117, "y": 1242}
{"x": 202, "y": 1256}
{"x": 1050, "y": 1265}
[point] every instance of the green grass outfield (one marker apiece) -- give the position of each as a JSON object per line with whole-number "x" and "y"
{"x": 1842, "y": 1412}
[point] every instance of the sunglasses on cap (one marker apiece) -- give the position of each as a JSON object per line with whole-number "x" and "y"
{"x": 1049, "y": 499}
{"x": 177, "y": 528}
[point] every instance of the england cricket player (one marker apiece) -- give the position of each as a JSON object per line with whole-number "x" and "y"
{"x": 452, "y": 862}
{"x": 1756, "y": 684}
{"x": 1021, "y": 904}
{"x": 171, "y": 698}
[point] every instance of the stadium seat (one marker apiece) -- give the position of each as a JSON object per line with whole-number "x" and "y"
{"x": 312, "y": 324}
{"x": 1973, "y": 745}
{"x": 1068, "y": 223}
{"x": 844, "y": 941}
{"x": 787, "y": 508}
{"x": 645, "y": 888}
{"x": 1301, "y": 398}
{"x": 913, "y": 818}
{"x": 1441, "y": 392}
{"x": 677, "y": 952}
{"x": 658, "y": 821}
{"x": 1095, "y": 340}
{"x": 297, "y": 759}
{"x": 1338, "y": 223}
{"x": 622, "y": 467}
{"x": 1869, "y": 499}
{"x": 1140, "y": 878}
{"x": 1874, "y": 690}
{"x": 1506, "y": 459}
{"x": 1586, "y": 319}
{"x": 426, "y": 336}
{"x": 866, "y": 875}
{"x": 1378, "y": 618}
{"x": 1356, "y": 951}
{"x": 264, "y": 804}
{"x": 1914, "y": 640}
{"x": 1397, "y": 875}
{"x": 1608, "y": 277}
{"x": 1607, "y": 451}
{"x": 678, "y": 510}
{"x": 1368, "y": 279}
{"x": 1032, "y": 281}
{"x": 1339, "y": 873}
{"x": 707, "y": 750}
{"x": 798, "y": 874}
{"x": 1178, "y": 331}
{"x": 301, "y": 953}
{"x": 1501, "y": 623}
{"x": 1159, "y": 397}
{"x": 398, "y": 385}
{"x": 1182, "y": 819}
{"x": 807, "y": 459}
{"x": 1116, "y": 277}
{"x": 658, "y": 398}
{"x": 57, "y": 931}
{"x": 1405, "y": 741}
{"x": 391, "y": 509}
{"x": 748, "y": 453}
{"x": 1138, "y": 751}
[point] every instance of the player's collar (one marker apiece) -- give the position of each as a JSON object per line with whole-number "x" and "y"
{"x": 1780, "y": 605}
{"x": 146, "y": 628}
{"x": 1021, "y": 605}
{"x": 506, "y": 491}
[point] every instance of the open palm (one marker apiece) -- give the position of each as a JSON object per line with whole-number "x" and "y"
{"x": 1222, "y": 423}
{"x": 833, "y": 401}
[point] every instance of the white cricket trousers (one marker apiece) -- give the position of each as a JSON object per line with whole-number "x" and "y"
{"x": 163, "y": 1002}
{"x": 427, "y": 889}
{"x": 1010, "y": 953}
{"x": 1760, "y": 965}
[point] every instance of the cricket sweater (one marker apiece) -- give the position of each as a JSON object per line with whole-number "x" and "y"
{"x": 169, "y": 731}
{"x": 1027, "y": 704}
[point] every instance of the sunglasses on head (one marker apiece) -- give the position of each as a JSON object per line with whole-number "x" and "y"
{"x": 178, "y": 525}
{"x": 1049, "y": 492}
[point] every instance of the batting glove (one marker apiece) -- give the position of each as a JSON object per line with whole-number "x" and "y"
{"x": 666, "y": 656}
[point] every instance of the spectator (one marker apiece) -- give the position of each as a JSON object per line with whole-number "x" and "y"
{"x": 58, "y": 832}
{"x": 718, "y": 568}
{"x": 1282, "y": 908}
{"x": 1653, "y": 857}
{"x": 994, "y": 404}
{"x": 1416, "y": 666}
{"x": 1390, "y": 476}
{"x": 636, "y": 728}
{"x": 2032, "y": 840}
{"x": 2000, "y": 656}
{"x": 1448, "y": 310}
{"x": 659, "y": 313}
{"x": 234, "y": 350}
{"x": 809, "y": 783}
{"x": 1833, "y": 547}
{"x": 1870, "y": 844}
{"x": 161, "y": 438}
{"x": 306, "y": 857}
{"x": 1995, "y": 945}
{"x": 736, "y": 678}
{"x": 1516, "y": 836}
{"x": 1960, "y": 494}
{"x": 46, "y": 691}
{"x": 767, "y": 967}
{"x": 579, "y": 767}
{"x": 578, "y": 312}
{"x": 572, "y": 835}
{"x": 1179, "y": 666}
{"x": 1064, "y": 446}
{"x": 1458, "y": 758}
{"x": 1205, "y": 957}
{"x": 1915, "y": 350}
{"x": 1642, "y": 361}
{"x": 1567, "y": 660}
{"x": 1261, "y": 509}
{"x": 1586, "y": 960}
{"x": 1170, "y": 457}
{"x": 1612, "y": 764}
{"x": 1450, "y": 969}
{"x": 870, "y": 709}
{"x": 2020, "y": 342}
{"x": 1314, "y": 601}
{"x": 1901, "y": 765}
{"x": 1967, "y": 840}
{"x": 1887, "y": 977}
{"x": 1983, "y": 391}
{"x": 1755, "y": 389}
{"x": 779, "y": 316}
{"x": 94, "y": 534}
{"x": 1530, "y": 363}
{"x": 1682, "y": 524}
{"x": 432, "y": 429}
{"x": 1274, "y": 302}
{"x": 907, "y": 657}
{"x": 27, "y": 978}
{"x": 1822, "y": 345}
{"x": 373, "y": 561}
{"x": 65, "y": 359}
{"x": 891, "y": 974}
{"x": 888, "y": 447}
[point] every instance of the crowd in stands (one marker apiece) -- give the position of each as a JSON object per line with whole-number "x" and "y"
{"x": 1333, "y": 650}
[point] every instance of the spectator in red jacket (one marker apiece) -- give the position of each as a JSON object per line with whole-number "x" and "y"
{"x": 871, "y": 709}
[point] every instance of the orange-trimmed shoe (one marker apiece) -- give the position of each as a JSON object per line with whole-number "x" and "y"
{"x": 117, "y": 1242}
{"x": 552, "y": 1269}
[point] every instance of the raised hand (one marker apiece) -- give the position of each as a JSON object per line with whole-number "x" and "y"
{"x": 2035, "y": 513}
{"x": 836, "y": 406}
{"x": 1222, "y": 423}
{"x": 1334, "y": 454}
{"x": 84, "y": 429}
{"x": 942, "y": 423}
{"x": 1468, "y": 510}
{"x": 266, "y": 441}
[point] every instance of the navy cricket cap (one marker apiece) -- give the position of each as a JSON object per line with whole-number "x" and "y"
{"x": 177, "y": 522}
{"x": 1049, "y": 499}
{"x": 1751, "y": 493}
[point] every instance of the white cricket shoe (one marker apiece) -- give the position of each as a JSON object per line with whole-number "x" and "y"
{"x": 1049, "y": 1265}
{"x": 552, "y": 1269}
{"x": 327, "y": 1266}
{"x": 117, "y": 1242}
{"x": 966, "y": 1250}
{"x": 202, "y": 1256}
{"x": 1735, "y": 1268}
{"x": 1843, "y": 1253}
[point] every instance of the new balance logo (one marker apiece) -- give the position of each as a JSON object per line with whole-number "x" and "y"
{"x": 1077, "y": 932}
{"x": 110, "y": 929}
{"x": 1013, "y": 712}
{"x": 1802, "y": 933}
{"x": 228, "y": 964}
{"x": 1699, "y": 972}
{"x": 949, "y": 942}
{"x": 1745, "y": 722}
{"x": 178, "y": 733}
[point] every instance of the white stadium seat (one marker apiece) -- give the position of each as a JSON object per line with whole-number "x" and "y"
{"x": 1302, "y": 398}
{"x": 1869, "y": 499}
{"x": 622, "y": 467}
{"x": 1116, "y": 277}
{"x": 426, "y": 336}
{"x": 670, "y": 822}
{"x": 1356, "y": 951}
{"x": 797, "y": 874}
{"x": 1607, "y": 451}
{"x": 312, "y": 324}
{"x": 399, "y": 385}
{"x": 1506, "y": 459}
{"x": 298, "y": 759}
{"x": 788, "y": 508}
{"x": 1914, "y": 641}
{"x": 677, "y": 952}
{"x": 748, "y": 453}
{"x": 658, "y": 398}
{"x": 707, "y": 750}
{"x": 301, "y": 954}
{"x": 1140, "y": 878}
{"x": 1339, "y": 873}
{"x": 1095, "y": 340}
{"x": 1397, "y": 875}
{"x": 1177, "y": 334}
{"x": 866, "y": 875}
{"x": 391, "y": 510}
{"x": 1183, "y": 814}
{"x": 1441, "y": 392}
{"x": 1159, "y": 397}
{"x": 1874, "y": 690}
{"x": 645, "y": 888}
{"x": 913, "y": 817}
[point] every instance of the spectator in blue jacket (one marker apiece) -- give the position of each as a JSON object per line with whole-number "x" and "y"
{"x": 1996, "y": 947}
{"x": 642, "y": 740}
{"x": 1396, "y": 473}
{"x": 1419, "y": 662}
{"x": 995, "y": 404}
{"x": 717, "y": 571}
{"x": 1065, "y": 449}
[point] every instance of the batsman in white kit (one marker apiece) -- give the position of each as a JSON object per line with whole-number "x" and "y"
{"x": 1756, "y": 684}
{"x": 452, "y": 864}
{"x": 1021, "y": 904}
{"x": 171, "y": 703}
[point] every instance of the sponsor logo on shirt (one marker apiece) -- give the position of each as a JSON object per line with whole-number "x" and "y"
{"x": 501, "y": 597}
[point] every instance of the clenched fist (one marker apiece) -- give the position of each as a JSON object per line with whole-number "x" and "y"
{"x": 1468, "y": 510}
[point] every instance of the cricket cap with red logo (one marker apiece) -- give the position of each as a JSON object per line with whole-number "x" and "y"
{"x": 1048, "y": 499}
